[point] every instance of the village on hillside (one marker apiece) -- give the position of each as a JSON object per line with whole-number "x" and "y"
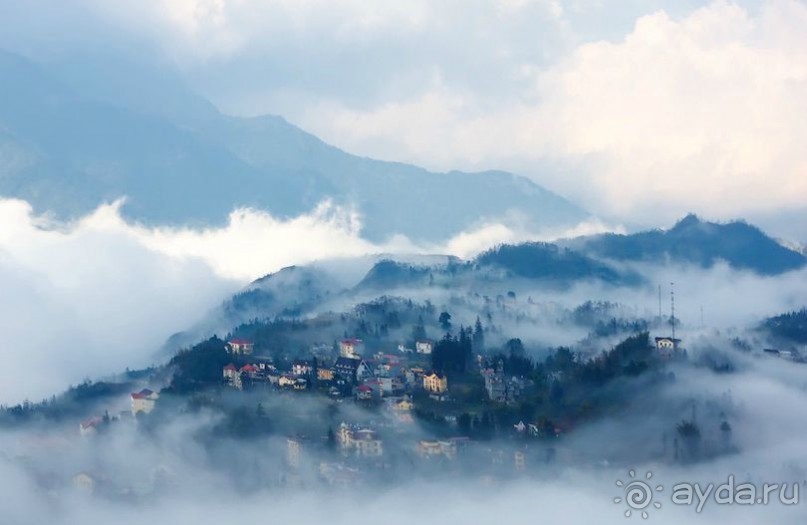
{"x": 410, "y": 410}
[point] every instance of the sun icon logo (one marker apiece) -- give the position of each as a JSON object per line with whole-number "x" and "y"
{"x": 638, "y": 494}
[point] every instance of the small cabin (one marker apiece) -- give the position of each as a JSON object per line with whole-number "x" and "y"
{"x": 667, "y": 346}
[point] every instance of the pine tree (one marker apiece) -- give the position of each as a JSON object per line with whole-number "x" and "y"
{"x": 445, "y": 321}
{"x": 331, "y": 439}
{"x": 418, "y": 330}
{"x": 479, "y": 336}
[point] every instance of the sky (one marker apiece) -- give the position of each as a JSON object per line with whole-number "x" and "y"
{"x": 640, "y": 111}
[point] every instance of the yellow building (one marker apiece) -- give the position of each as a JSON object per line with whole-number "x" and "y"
{"x": 403, "y": 405}
{"x": 435, "y": 383}
{"x": 324, "y": 374}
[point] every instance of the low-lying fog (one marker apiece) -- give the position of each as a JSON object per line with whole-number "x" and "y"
{"x": 766, "y": 401}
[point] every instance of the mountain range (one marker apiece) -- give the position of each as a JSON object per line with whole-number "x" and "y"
{"x": 76, "y": 134}
{"x": 609, "y": 260}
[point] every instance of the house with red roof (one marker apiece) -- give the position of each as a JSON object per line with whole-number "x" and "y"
{"x": 364, "y": 392}
{"x": 89, "y": 426}
{"x": 240, "y": 346}
{"x": 143, "y": 401}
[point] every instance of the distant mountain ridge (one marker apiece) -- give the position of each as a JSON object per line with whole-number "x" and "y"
{"x": 300, "y": 290}
{"x": 549, "y": 261}
{"x": 73, "y": 136}
{"x": 694, "y": 241}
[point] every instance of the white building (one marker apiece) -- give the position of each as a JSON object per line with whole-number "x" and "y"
{"x": 351, "y": 348}
{"x": 144, "y": 401}
{"x": 424, "y": 346}
{"x": 666, "y": 346}
{"x": 240, "y": 346}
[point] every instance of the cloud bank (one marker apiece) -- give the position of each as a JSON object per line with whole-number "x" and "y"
{"x": 98, "y": 295}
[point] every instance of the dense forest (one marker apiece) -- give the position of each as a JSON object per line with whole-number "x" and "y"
{"x": 790, "y": 325}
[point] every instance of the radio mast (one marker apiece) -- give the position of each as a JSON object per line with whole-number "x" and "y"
{"x": 672, "y": 310}
{"x": 659, "y": 302}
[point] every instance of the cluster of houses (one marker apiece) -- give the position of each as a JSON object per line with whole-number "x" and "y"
{"x": 371, "y": 379}
{"x": 361, "y": 451}
{"x": 265, "y": 373}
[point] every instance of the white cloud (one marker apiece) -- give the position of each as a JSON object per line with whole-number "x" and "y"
{"x": 472, "y": 242}
{"x": 254, "y": 243}
{"x": 99, "y": 295}
{"x": 85, "y": 299}
{"x": 699, "y": 113}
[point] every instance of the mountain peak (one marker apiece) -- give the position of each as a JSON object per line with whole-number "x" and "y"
{"x": 689, "y": 221}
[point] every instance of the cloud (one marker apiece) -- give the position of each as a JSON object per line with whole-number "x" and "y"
{"x": 95, "y": 296}
{"x": 697, "y": 113}
{"x": 84, "y": 300}
{"x": 472, "y": 242}
{"x": 254, "y": 243}
{"x": 92, "y": 297}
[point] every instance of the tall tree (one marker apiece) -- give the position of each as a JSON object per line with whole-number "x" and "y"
{"x": 418, "y": 330}
{"x": 479, "y": 336}
{"x": 445, "y": 321}
{"x": 515, "y": 348}
{"x": 331, "y": 443}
